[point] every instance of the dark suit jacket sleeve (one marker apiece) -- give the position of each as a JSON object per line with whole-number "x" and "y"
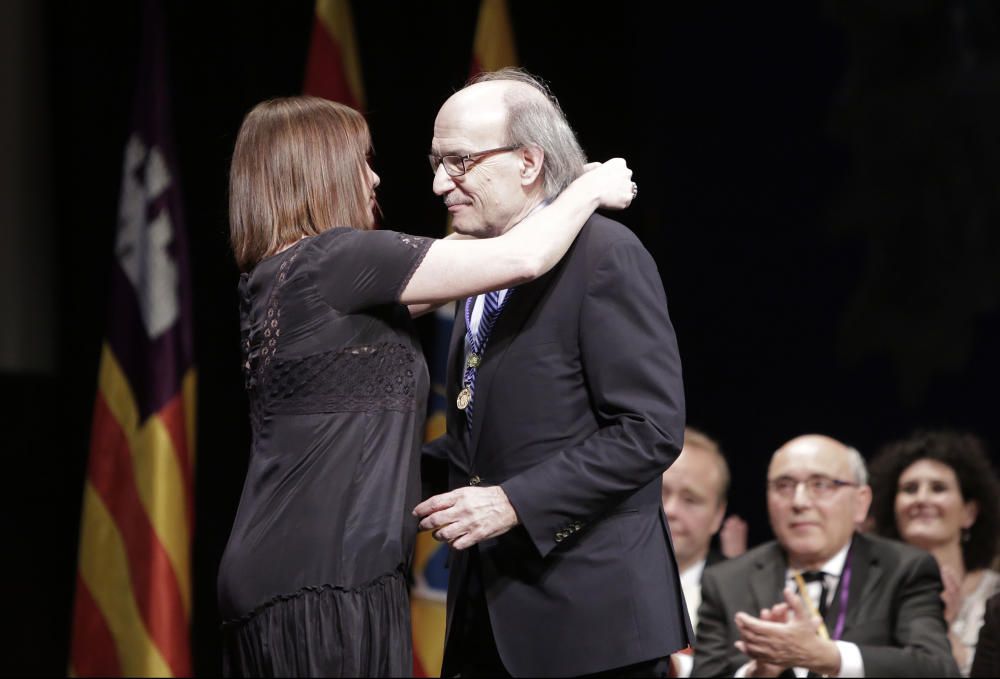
{"x": 633, "y": 372}
{"x": 920, "y": 636}
{"x": 434, "y": 459}
{"x": 714, "y": 653}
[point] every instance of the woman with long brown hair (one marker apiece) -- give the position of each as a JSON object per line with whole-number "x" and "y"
{"x": 313, "y": 579}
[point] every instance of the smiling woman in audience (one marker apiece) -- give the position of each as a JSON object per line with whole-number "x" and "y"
{"x": 937, "y": 490}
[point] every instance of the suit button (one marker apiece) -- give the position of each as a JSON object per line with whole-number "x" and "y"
{"x": 560, "y": 537}
{"x": 475, "y": 481}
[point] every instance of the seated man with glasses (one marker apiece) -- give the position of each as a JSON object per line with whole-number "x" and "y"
{"x": 822, "y": 599}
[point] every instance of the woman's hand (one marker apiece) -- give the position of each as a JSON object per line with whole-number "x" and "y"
{"x": 612, "y": 182}
{"x": 951, "y": 595}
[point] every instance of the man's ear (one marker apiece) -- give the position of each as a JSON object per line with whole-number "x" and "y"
{"x": 720, "y": 516}
{"x": 864, "y": 503}
{"x": 532, "y": 159}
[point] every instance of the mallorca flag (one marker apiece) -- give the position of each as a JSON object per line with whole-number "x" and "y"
{"x": 133, "y": 590}
{"x": 493, "y": 48}
{"x": 333, "y": 69}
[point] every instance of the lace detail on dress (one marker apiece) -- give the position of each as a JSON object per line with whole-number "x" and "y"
{"x": 373, "y": 377}
{"x": 260, "y": 342}
{"x": 416, "y": 243}
{"x": 407, "y": 239}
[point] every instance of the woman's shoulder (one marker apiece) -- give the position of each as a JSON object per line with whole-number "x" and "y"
{"x": 990, "y": 584}
{"x": 339, "y": 237}
{"x": 331, "y": 237}
{"x": 365, "y": 244}
{"x": 987, "y": 584}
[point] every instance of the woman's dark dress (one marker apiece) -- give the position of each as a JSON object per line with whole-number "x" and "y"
{"x": 313, "y": 579}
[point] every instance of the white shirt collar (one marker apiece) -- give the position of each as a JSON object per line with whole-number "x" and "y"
{"x": 835, "y": 565}
{"x": 692, "y": 574}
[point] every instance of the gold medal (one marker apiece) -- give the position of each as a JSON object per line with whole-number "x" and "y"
{"x": 464, "y": 397}
{"x": 473, "y": 361}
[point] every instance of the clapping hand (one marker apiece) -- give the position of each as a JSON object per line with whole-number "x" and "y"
{"x": 786, "y": 635}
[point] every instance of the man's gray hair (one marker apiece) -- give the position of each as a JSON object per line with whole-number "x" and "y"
{"x": 858, "y": 466}
{"x": 540, "y": 121}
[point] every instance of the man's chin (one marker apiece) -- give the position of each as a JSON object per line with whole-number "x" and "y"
{"x": 471, "y": 230}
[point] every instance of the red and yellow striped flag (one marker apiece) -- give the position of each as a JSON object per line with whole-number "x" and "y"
{"x": 333, "y": 68}
{"x": 132, "y": 608}
{"x": 493, "y": 48}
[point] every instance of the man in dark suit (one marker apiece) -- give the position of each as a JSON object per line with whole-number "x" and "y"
{"x": 566, "y": 405}
{"x": 870, "y": 607}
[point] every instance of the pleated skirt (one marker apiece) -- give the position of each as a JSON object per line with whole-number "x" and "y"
{"x": 325, "y": 631}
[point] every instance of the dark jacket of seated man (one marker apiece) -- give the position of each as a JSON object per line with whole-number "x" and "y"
{"x": 894, "y": 612}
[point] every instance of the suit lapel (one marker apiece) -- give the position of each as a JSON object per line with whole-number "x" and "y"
{"x": 508, "y": 326}
{"x": 454, "y": 375}
{"x": 865, "y": 576}
{"x": 456, "y": 352}
{"x": 768, "y": 579}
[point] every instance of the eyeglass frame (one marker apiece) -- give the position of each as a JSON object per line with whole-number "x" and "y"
{"x": 437, "y": 161}
{"x": 814, "y": 491}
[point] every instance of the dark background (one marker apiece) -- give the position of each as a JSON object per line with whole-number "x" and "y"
{"x": 819, "y": 184}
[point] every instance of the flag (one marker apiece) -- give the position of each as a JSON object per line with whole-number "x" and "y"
{"x": 493, "y": 48}
{"x": 132, "y": 606}
{"x": 333, "y": 69}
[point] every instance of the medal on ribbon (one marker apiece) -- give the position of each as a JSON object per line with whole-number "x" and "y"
{"x": 476, "y": 343}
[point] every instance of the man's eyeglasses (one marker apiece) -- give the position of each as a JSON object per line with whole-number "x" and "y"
{"x": 817, "y": 486}
{"x": 456, "y": 166}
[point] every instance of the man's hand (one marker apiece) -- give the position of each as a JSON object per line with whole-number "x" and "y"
{"x": 786, "y": 636}
{"x": 755, "y": 668}
{"x": 467, "y": 516}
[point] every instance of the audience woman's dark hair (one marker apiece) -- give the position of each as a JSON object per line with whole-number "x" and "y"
{"x": 937, "y": 490}
{"x": 966, "y": 455}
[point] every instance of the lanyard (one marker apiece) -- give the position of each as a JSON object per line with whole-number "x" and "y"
{"x": 845, "y": 587}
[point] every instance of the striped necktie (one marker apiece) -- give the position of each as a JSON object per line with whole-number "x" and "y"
{"x": 477, "y": 343}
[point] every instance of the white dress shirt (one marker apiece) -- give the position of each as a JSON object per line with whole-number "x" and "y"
{"x": 691, "y": 585}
